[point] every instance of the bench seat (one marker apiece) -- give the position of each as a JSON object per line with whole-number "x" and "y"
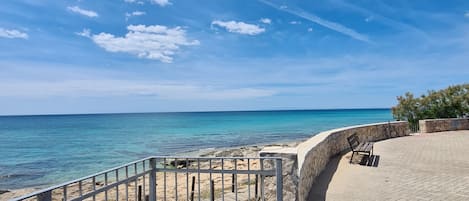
{"x": 359, "y": 147}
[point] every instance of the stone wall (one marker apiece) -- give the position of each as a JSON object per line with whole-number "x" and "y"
{"x": 314, "y": 154}
{"x": 438, "y": 125}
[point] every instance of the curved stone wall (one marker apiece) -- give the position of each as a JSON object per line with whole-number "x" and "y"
{"x": 314, "y": 154}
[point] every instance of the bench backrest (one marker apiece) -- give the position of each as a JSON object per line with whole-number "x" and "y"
{"x": 353, "y": 141}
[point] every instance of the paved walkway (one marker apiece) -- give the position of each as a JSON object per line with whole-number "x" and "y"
{"x": 421, "y": 167}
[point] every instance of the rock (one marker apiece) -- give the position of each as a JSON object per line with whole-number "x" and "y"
{"x": 2, "y": 191}
{"x": 181, "y": 163}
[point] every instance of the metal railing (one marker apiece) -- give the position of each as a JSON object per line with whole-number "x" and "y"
{"x": 175, "y": 178}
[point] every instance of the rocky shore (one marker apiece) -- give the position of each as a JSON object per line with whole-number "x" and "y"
{"x": 176, "y": 184}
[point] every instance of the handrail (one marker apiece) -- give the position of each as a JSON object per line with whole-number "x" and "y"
{"x": 275, "y": 170}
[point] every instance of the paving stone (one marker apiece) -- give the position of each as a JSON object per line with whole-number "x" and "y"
{"x": 422, "y": 167}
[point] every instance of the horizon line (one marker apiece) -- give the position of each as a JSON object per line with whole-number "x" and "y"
{"x": 196, "y": 111}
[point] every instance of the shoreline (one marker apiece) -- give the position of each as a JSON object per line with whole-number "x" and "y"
{"x": 251, "y": 150}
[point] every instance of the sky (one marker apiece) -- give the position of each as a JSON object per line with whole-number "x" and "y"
{"x": 84, "y": 56}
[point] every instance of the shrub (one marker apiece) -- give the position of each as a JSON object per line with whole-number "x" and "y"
{"x": 451, "y": 102}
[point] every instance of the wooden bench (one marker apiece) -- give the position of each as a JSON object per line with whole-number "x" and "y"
{"x": 359, "y": 147}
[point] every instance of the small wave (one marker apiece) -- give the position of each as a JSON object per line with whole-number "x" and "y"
{"x": 13, "y": 176}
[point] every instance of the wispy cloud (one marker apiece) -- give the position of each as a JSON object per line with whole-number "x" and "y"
{"x": 151, "y": 42}
{"x": 134, "y": 1}
{"x": 373, "y": 16}
{"x": 239, "y": 27}
{"x": 266, "y": 20}
{"x": 135, "y": 13}
{"x": 12, "y": 33}
{"x": 107, "y": 87}
{"x": 295, "y": 22}
{"x": 161, "y": 3}
{"x": 466, "y": 14}
{"x": 316, "y": 19}
{"x": 88, "y": 13}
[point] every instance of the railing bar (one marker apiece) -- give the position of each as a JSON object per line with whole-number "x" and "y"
{"x": 278, "y": 167}
{"x": 236, "y": 179}
{"x": 222, "y": 180}
{"x": 80, "y": 188}
{"x": 144, "y": 180}
{"x": 210, "y": 167}
{"x": 198, "y": 177}
{"x": 262, "y": 179}
{"x": 94, "y": 188}
{"x": 105, "y": 184}
{"x": 176, "y": 179}
{"x": 127, "y": 183}
{"x": 249, "y": 180}
{"x": 187, "y": 179}
{"x": 211, "y": 193}
{"x": 164, "y": 180}
{"x": 65, "y": 193}
{"x": 136, "y": 182}
{"x": 152, "y": 180}
{"x": 117, "y": 186}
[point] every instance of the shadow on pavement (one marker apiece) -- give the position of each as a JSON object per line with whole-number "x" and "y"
{"x": 319, "y": 189}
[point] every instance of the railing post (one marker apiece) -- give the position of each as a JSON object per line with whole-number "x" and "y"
{"x": 152, "y": 190}
{"x": 279, "y": 179}
{"x": 46, "y": 196}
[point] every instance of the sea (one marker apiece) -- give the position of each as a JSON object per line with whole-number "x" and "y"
{"x": 43, "y": 150}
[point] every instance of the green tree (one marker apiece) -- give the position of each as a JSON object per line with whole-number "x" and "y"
{"x": 451, "y": 102}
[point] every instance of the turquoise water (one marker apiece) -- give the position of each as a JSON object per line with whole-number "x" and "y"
{"x": 50, "y": 149}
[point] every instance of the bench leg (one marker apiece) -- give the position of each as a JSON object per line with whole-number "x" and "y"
{"x": 351, "y": 157}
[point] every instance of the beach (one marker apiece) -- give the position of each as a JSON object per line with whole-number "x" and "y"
{"x": 245, "y": 185}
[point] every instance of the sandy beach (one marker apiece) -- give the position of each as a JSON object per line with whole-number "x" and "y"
{"x": 181, "y": 182}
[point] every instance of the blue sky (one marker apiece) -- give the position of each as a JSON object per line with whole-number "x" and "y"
{"x": 172, "y": 55}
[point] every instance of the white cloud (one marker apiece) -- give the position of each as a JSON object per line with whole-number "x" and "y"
{"x": 161, "y": 3}
{"x": 135, "y": 13}
{"x": 84, "y": 33}
{"x": 88, "y": 13}
{"x": 310, "y": 29}
{"x": 466, "y": 14}
{"x": 106, "y": 88}
{"x": 134, "y": 1}
{"x": 151, "y": 42}
{"x": 239, "y": 27}
{"x": 369, "y": 19}
{"x": 12, "y": 33}
{"x": 266, "y": 20}
{"x": 295, "y": 22}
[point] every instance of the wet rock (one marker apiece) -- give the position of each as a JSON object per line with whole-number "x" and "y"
{"x": 2, "y": 191}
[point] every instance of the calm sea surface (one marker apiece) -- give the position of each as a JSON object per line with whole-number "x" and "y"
{"x": 50, "y": 149}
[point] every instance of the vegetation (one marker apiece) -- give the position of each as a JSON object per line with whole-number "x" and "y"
{"x": 451, "y": 102}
